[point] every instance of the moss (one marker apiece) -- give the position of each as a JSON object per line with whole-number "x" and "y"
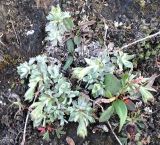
{"x": 8, "y": 60}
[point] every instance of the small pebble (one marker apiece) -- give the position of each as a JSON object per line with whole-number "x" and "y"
{"x": 30, "y": 32}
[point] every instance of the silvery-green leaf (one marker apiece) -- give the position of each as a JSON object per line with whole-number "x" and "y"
{"x": 23, "y": 70}
{"x": 82, "y": 129}
{"x": 62, "y": 29}
{"x": 55, "y": 14}
{"x": 81, "y": 113}
{"x": 46, "y": 136}
{"x": 51, "y": 26}
{"x": 29, "y": 95}
{"x": 150, "y": 88}
{"x": 128, "y": 64}
{"x": 54, "y": 42}
{"x": 59, "y": 23}
{"x": 90, "y": 62}
{"x": 66, "y": 15}
{"x": 53, "y": 71}
{"x": 97, "y": 90}
{"x": 31, "y": 61}
{"x": 37, "y": 113}
{"x": 77, "y": 40}
{"x": 123, "y": 59}
{"x": 37, "y": 122}
{"x": 81, "y": 72}
{"x": 146, "y": 95}
{"x": 34, "y": 79}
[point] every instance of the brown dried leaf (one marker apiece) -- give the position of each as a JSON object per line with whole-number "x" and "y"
{"x": 70, "y": 141}
{"x": 84, "y": 25}
{"x": 102, "y": 100}
{"x": 88, "y": 23}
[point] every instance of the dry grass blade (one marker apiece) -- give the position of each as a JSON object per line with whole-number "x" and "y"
{"x": 151, "y": 80}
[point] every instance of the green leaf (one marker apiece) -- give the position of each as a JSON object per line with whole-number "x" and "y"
{"x": 82, "y": 129}
{"x": 46, "y": 136}
{"x": 146, "y": 95}
{"x": 33, "y": 82}
{"x": 70, "y": 46}
{"x": 68, "y": 62}
{"x": 81, "y": 112}
{"x": 124, "y": 79}
{"x": 108, "y": 94}
{"x": 105, "y": 116}
{"x": 29, "y": 95}
{"x": 68, "y": 23}
{"x": 77, "y": 40}
{"x": 121, "y": 110}
{"x": 128, "y": 64}
{"x": 23, "y": 70}
{"x": 54, "y": 71}
{"x": 59, "y": 131}
{"x": 37, "y": 113}
{"x": 112, "y": 84}
{"x": 59, "y": 23}
{"x": 124, "y": 140}
{"x": 123, "y": 60}
{"x": 97, "y": 90}
{"x": 80, "y": 72}
{"x": 92, "y": 62}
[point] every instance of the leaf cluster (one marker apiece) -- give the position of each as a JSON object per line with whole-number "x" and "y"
{"x": 51, "y": 95}
{"x": 58, "y": 23}
{"x": 107, "y": 78}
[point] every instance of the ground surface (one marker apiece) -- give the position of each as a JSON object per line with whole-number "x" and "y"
{"x": 18, "y": 17}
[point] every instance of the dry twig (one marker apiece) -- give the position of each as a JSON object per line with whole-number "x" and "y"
{"x": 140, "y": 40}
{"x": 25, "y": 127}
{"x": 27, "y": 117}
{"x": 114, "y": 133}
{"x": 17, "y": 37}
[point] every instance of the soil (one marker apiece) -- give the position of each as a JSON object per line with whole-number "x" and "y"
{"x": 22, "y": 33}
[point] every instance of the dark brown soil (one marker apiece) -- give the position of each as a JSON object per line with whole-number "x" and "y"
{"x": 18, "y": 17}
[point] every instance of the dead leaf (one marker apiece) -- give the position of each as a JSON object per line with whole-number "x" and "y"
{"x": 130, "y": 105}
{"x": 84, "y": 25}
{"x": 70, "y": 141}
{"x": 103, "y": 100}
{"x": 151, "y": 80}
{"x": 146, "y": 140}
{"x": 88, "y": 23}
{"x": 100, "y": 128}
